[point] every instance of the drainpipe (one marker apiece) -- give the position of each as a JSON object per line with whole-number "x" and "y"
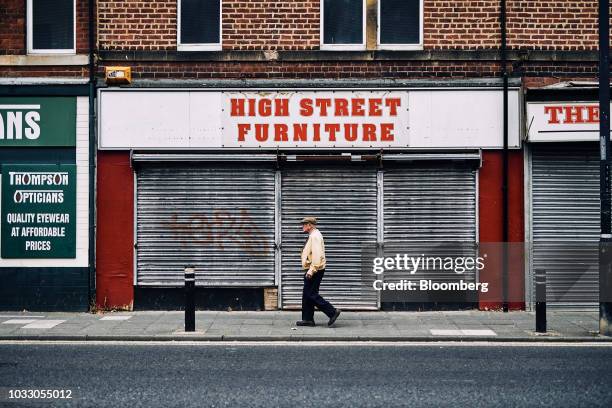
{"x": 92, "y": 154}
{"x": 504, "y": 73}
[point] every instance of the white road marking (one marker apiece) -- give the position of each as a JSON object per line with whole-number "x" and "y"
{"x": 116, "y": 317}
{"x": 460, "y": 332}
{"x": 437, "y": 344}
{"x": 20, "y": 321}
{"x": 43, "y": 324}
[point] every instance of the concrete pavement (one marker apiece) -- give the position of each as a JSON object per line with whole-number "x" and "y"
{"x": 280, "y": 326}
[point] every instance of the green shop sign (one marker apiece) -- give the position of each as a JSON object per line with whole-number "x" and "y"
{"x": 37, "y": 122}
{"x": 38, "y": 211}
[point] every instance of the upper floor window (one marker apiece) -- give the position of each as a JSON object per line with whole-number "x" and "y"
{"x": 400, "y": 24}
{"x": 51, "y": 26}
{"x": 343, "y": 25}
{"x": 199, "y": 25}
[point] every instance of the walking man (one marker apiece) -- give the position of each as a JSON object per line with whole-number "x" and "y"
{"x": 313, "y": 261}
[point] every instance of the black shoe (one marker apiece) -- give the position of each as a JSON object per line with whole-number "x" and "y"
{"x": 308, "y": 323}
{"x": 332, "y": 319}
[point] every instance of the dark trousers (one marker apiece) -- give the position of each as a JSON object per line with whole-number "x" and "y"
{"x": 311, "y": 297}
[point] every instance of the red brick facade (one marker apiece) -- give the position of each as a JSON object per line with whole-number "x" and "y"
{"x": 295, "y": 25}
{"x": 246, "y": 25}
{"x": 552, "y": 25}
{"x": 13, "y": 42}
{"x": 13, "y": 27}
{"x": 461, "y": 24}
{"x": 544, "y": 73}
{"x": 272, "y": 24}
{"x": 275, "y": 25}
{"x": 137, "y": 25}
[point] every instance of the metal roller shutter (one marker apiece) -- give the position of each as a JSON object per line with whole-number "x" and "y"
{"x": 218, "y": 218}
{"x": 344, "y": 201}
{"x": 565, "y": 222}
{"x": 430, "y": 210}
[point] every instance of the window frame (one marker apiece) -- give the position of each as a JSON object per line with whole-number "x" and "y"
{"x": 400, "y": 47}
{"x": 30, "y": 32}
{"x": 199, "y": 46}
{"x": 342, "y": 47}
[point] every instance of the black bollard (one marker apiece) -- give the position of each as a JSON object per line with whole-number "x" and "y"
{"x": 189, "y": 298}
{"x": 540, "y": 280}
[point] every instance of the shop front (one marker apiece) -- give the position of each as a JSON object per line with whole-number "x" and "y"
{"x": 44, "y": 202}
{"x": 220, "y": 179}
{"x": 563, "y": 223}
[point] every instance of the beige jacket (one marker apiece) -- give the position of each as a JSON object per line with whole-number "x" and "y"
{"x": 313, "y": 254}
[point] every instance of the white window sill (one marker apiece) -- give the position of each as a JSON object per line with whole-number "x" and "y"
{"x": 199, "y": 47}
{"x": 342, "y": 47}
{"x": 400, "y": 47}
{"x": 52, "y": 52}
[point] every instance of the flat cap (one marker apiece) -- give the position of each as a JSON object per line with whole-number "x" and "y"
{"x": 309, "y": 220}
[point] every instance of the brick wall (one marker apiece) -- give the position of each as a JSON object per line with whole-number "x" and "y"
{"x": 461, "y": 24}
{"x": 82, "y": 26}
{"x": 295, "y": 25}
{"x": 271, "y": 24}
{"x": 357, "y": 69}
{"x": 548, "y": 25}
{"x": 44, "y": 71}
{"x": 246, "y": 25}
{"x": 137, "y": 25}
{"x": 13, "y": 27}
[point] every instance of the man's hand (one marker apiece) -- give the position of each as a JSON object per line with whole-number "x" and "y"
{"x": 309, "y": 274}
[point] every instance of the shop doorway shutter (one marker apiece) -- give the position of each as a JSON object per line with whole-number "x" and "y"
{"x": 430, "y": 210}
{"x": 344, "y": 201}
{"x": 218, "y": 218}
{"x": 565, "y": 222}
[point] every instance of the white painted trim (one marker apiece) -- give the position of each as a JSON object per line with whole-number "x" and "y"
{"x": 82, "y": 200}
{"x": 44, "y": 60}
{"x": 198, "y": 47}
{"x": 301, "y": 88}
{"x": 528, "y": 222}
{"x": 401, "y": 47}
{"x": 491, "y": 144}
{"x": 43, "y": 81}
{"x": 29, "y": 19}
{"x": 342, "y": 47}
{"x": 135, "y": 227}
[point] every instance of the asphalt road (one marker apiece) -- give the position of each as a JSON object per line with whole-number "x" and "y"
{"x": 154, "y": 375}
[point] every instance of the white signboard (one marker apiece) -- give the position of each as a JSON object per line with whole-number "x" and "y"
{"x": 359, "y": 119}
{"x": 562, "y": 121}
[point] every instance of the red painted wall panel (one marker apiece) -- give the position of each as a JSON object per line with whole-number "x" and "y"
{"x": 115, "y": 201}
{"x": 490, "y": 227}
{"x": 115, "y": 231}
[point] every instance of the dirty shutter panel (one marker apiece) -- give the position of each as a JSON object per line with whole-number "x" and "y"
{"x": 430, "y": 211}
{"x": 565, "y": 222}
{"x": 220, "y": 219}
{"x": 344, "y": 201}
